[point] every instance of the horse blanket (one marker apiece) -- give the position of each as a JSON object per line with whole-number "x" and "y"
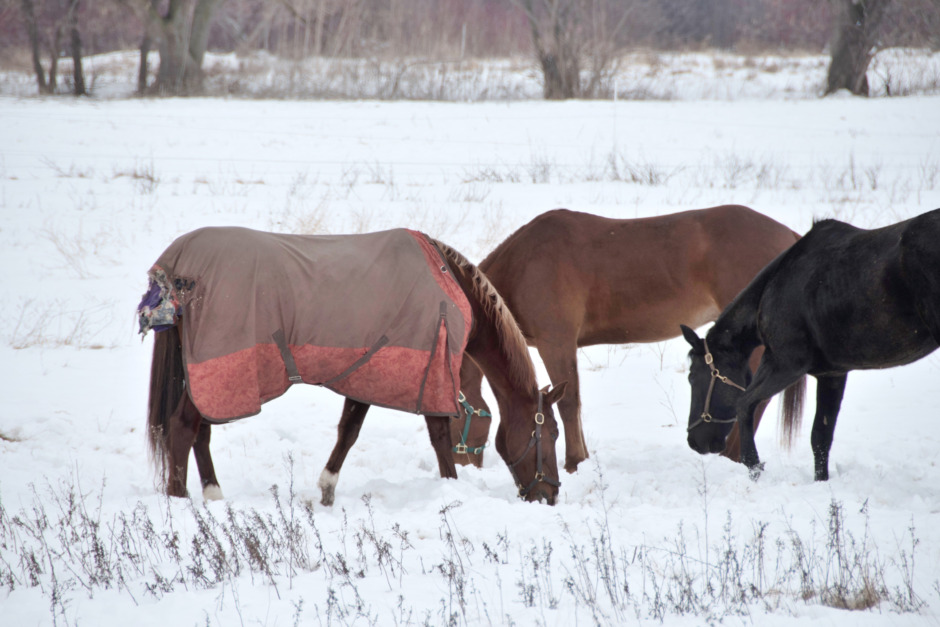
{"x": 375, "y": 317}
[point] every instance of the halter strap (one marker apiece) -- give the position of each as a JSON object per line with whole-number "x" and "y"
{"x": 535, "y": 441}
{"x": 716, "y": 375}
{"x": 462, "y": 448}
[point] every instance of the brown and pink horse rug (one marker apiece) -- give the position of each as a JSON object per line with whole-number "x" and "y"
{"x": 375, "y": 317}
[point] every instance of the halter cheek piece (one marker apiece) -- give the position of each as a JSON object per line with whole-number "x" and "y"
{"x": 462, "y": 448}
{"x": 706, "y": 416}
{"x": 535, "y": 441}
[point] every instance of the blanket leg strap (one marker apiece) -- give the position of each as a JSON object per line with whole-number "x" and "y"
{"x": 293, "y": 375}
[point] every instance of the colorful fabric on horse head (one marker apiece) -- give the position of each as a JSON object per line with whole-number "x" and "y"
{"x": 376, "y": 317}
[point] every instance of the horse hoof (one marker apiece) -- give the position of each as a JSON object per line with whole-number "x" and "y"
{"x": 755, "y": 471}
{"x": 212, "y": 493}
{"x": 327, "y": 485}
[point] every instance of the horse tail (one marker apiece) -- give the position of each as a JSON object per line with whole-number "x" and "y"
{"x": 166, "y": 390}
{"x": 791, "y": 412}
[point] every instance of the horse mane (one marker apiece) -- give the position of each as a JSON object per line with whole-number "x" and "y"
{"x": 511, "y": 341}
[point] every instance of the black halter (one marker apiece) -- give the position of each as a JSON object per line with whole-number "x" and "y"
{"x": 535, "y": 441}
{"x": 706, "y": 416}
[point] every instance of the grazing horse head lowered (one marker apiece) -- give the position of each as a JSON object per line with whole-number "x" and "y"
{"x": 380, "y": 318}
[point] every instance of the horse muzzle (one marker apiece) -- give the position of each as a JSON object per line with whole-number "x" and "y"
{"x": 542, "y": 496}
{"x": 704, "y": 446}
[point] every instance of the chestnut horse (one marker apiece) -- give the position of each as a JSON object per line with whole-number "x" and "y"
{"x": 495, "y": 344}
{"x": 574, "y": 279}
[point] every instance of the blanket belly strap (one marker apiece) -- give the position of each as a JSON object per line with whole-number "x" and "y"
{"x": 293, "y": 375}
{"x": 382, "y": 341}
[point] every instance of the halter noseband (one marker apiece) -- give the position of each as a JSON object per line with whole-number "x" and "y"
{"x": 535, "y": 441}
{"x": 716, "y": 375}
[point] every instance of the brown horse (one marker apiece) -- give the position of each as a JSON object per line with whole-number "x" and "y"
{"x": 180, "y": 417}
{"x": 575, "y": 279}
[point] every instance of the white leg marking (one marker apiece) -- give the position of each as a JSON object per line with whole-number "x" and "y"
{"x": 327, "y": 485}
{"x": 212, "y": 493}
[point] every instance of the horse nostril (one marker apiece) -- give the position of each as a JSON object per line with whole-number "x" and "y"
{"x": 697, "y": 446}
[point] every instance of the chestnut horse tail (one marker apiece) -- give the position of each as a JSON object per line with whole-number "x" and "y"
{"x": 166, "y": 390}
{"x": 791, "y": 412}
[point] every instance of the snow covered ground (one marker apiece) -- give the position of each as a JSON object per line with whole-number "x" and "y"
{"x": 647, "y": 531}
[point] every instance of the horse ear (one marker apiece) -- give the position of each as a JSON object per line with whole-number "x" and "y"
{"x": 692, "y": 338}
{"x": 555, "y": 394}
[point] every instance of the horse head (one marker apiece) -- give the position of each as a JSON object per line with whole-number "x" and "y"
{"x": 718, "y": 378}
{"x": 529, "y": 447}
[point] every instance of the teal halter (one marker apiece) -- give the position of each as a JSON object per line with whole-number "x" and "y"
{"x": 462, "y": 448}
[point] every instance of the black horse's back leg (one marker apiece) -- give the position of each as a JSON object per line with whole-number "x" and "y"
{"x": 829, "y": 392}
{"x": 350, "y": 423}
{"x": 210, "y": 484}
{"x": 439, "y": 431}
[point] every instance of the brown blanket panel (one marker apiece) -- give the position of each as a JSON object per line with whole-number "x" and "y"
{"x": 376, "y": 317}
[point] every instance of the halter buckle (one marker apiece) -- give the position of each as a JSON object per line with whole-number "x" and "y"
{"x": 539, "y": 418}
{"x": 460, "y": 449}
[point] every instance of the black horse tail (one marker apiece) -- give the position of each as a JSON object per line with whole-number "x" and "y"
{"x": 166, "y": 390}
{"x": 791, "y": 412}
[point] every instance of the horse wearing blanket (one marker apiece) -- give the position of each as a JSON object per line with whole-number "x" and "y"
{"x": 381, "y": 318}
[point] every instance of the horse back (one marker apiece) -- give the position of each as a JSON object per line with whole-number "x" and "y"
{"x": 920, "y": 261}
{"x": 608, "y": 280}
{"x": 853, "y": 298}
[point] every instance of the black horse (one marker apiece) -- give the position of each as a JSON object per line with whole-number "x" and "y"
{"x": 840, "y": 299}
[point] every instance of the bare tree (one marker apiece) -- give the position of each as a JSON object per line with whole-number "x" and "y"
{"x": 75, "y": 45}
{"x": 853, "y": 44}
{"x": 32, "y": 28}
{"x": 181, "y": 33}
{"x": 571, "y": 35}
{"x": 47, "y": 23}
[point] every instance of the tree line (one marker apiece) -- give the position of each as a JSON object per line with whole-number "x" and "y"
{"x": 575, "y": 42}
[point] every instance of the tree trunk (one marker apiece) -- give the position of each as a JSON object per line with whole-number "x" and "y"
{"x": 184, "y": 35}
{"x": 78, "y": 75}
{"x": 561, "y": 67}
{"x": 852, "y": 46}
{"x": 33, "y": 30}
{"x": 54, "y": 48}
{"x": 150, "y": 28}
{"x": 561, "y": 76}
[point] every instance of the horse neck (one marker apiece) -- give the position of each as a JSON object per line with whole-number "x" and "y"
{"x": 735, "y": 330}
{"x": 501, "y": 374}
{"x": 495, "y": 344}
{"x": 736, "y": 327}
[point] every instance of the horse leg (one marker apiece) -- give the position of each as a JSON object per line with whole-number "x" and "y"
{"x": 733, "y": 443}
{"x": 769, "y": 380}
{"x": 471, "y": 384}
{"x": 829, "y": 392}
{"x": 182, "y": 430}
{"x": 210, "y": 485}
{"x": 439, "y": 431}
{"x": 561, "y": 362}
{"x": 350, "y": 423}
